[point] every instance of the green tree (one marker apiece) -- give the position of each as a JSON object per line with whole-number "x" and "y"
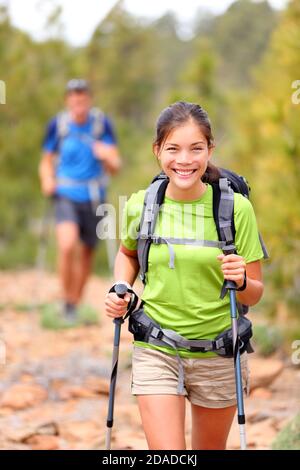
{"x": 240, "y": 37}
{"x": 266, "y": 141}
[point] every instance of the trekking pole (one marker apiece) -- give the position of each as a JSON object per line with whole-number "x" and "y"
{"x": 42, "y": 247}
{"x": 231, "y": 287}
{"x": 120, "y": 290}
{"x": 44, "y": 235}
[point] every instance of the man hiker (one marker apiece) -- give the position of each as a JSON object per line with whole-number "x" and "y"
{"x": 79, "y": 153}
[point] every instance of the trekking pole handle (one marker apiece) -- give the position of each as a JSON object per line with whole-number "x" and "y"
{"x": 121, "y": 291}
{"x": 231, "y": 285}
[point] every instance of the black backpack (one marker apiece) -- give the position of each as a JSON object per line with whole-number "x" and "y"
{"x": 223, "y": 212}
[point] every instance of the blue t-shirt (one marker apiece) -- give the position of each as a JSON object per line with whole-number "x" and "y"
{"x": 76, "y": 159}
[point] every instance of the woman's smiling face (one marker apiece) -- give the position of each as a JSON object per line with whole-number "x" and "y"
{"x": 183, "y": 157}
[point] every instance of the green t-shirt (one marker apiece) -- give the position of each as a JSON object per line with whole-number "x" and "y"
{"x": 187, "y": 298}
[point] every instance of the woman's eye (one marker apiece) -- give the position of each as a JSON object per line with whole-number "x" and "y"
{"x": 172, "y": 149}
{"x": 197, "y": 149}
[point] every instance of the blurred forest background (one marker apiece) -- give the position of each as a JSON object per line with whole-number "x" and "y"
{"x": 240, "y": 66}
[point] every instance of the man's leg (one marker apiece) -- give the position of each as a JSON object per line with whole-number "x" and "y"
{"x": 67, "y": 235}
{"x": 81, "y": 270}
{"x": 86, "y": 249}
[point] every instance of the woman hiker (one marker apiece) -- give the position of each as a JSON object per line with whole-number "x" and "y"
{"x": 187, "y": 299}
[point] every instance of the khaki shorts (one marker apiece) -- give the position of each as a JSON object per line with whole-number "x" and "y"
{"x": 209, "y": 382}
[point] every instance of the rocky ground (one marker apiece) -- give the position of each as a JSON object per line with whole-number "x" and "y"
{"x": 54, "y": 384}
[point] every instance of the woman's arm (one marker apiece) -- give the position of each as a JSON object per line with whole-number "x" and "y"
{"x": 255, "y": 287}
{"x": 126, "y": 270}
{"x": 126, "y": 265}
{"x": 234, "y": 267}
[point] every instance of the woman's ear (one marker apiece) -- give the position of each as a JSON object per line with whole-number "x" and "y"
{"x": 155, "y": 149}
{"x": 210, "y": 151}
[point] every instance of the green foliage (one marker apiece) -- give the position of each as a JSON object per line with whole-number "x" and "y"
{"x": 52, "y": 316}
{"x": 267, "y": 338}
{"x": 240, "y": 37}
{"x": 265, "y": 132}
{"x": 289, "y": 436}
{"x": 240, "y": 66}
{"x": 33, "y": 73}
{"x": 122, "y": 47}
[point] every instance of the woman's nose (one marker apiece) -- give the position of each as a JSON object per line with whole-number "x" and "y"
{"x": 184, "y": 157}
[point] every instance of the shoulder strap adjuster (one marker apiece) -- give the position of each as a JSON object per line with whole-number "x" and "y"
{"x": 229, "y": 249}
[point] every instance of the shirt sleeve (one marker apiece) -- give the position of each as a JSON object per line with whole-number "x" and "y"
{"x": 50, "y": 141}
{"x": 246, "y": 236}
{"x": 131, "y": 220}
{"x": 108, "y": 136}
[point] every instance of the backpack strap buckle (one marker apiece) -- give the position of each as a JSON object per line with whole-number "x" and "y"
{"x": 156, "y": 333}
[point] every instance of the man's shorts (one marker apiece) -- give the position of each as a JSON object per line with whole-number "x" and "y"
{"x": 82, "y": 214}
{"x": 209, "y": 382}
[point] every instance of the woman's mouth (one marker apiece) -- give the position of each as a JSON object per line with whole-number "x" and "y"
{"x": 183, "y": 173}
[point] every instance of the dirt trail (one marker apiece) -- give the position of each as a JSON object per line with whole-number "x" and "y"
{"x": 54, "y": 385}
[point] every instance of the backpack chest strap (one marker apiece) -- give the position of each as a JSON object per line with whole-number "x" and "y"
{"x": 170, "y": 241}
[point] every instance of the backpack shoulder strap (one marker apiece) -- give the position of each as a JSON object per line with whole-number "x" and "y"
{"x": 63, "y": 120}
{"x": 241, "y": 186}
{"x": 263, "y": 247}
{"x": 223, "y": 210}
{"x": 154, "y": 198}
{"x": 98, "y": 122}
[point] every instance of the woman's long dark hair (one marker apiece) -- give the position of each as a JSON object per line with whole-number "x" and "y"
{"x": 177, "y": 114}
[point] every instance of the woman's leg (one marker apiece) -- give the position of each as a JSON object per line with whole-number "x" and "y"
{"x": 211, "y": 426}
{"x": 163, "y": 419}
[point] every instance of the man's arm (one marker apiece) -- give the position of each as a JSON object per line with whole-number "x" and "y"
{"x": 47, "y": 173}
{"x": 106, "y": 148}
{"x": 109, "y": 155}
{"x": 47, "y": 163}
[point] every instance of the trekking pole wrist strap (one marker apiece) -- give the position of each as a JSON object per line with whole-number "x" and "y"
{"x": 231, "y": 285}
{"x": 134, "y": 297}
{"x": 244, "y": 286}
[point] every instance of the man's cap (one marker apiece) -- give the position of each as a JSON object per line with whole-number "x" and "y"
{"x": 77, "y": 84}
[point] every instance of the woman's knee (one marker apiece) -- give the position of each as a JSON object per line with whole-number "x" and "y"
{"x": 211, "y": 427}
{"x": 163, "y": 419}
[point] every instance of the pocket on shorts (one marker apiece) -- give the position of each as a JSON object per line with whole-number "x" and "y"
{"x": 217, "y": 383}
{"x": 228, "y": 385}
{"x": 147, "y": 364}
{"x": 230, "y": 374}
